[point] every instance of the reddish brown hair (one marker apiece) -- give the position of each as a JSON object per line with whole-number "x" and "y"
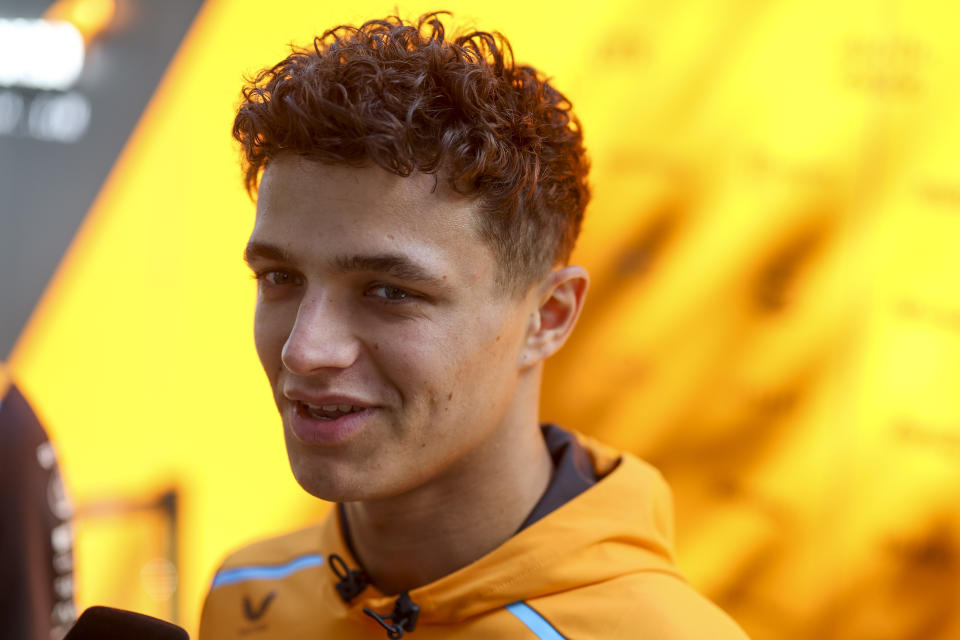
{"x": 406, "y": 97}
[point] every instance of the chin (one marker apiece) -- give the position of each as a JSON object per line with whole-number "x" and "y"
{"x": 349, "y": 484}
{"x": 326, "y": 490}
{"x": 335, "y": 483}
{"x": 325, "y": 483}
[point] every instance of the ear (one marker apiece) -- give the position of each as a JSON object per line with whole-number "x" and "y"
{"x": 559, "y": 300}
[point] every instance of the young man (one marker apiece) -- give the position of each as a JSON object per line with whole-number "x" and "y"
{"x": 419, "y": 197}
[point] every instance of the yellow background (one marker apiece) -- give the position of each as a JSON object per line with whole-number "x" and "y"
{"x": 774, "y": 319}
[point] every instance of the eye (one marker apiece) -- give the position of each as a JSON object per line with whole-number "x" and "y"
{"x": 389, "y": 293}
{"x": 278, "y": 277}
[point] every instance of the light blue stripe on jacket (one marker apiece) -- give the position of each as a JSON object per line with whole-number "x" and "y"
{"x": 269, "y": 572}
{"x": 534, "y": 621}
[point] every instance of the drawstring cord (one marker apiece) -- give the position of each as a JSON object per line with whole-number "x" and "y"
{"x": 352, "y": 582}
{"x": 403, "y": 618}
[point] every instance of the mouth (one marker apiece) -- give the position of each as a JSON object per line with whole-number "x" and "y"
{"x": 327, "y": 424}
{"x": 327, "y": 413}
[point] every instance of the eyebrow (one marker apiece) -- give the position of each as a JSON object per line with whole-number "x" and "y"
{"x": 397, "y": 265}
{"x": 265, "y": 251}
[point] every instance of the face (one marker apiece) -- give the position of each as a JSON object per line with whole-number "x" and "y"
{"x": 391, "y": 350}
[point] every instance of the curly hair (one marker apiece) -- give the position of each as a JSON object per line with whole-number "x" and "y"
{"x": 406, "y": 97}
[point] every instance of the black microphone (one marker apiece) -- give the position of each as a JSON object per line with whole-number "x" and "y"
{"x": 106, "y": 622}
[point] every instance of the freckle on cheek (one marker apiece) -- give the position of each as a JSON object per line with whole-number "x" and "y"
{"x": 376, "y": 346}
{"x": 450, "y": 397}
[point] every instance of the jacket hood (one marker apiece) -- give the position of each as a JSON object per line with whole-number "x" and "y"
{"x": 621, "y": 525}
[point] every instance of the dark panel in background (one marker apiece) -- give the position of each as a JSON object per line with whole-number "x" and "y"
{"x": 23, "y": 8}
{"x": 48, "y": 185}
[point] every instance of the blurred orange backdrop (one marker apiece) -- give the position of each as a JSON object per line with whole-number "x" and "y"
{"x": 773, "y": 319}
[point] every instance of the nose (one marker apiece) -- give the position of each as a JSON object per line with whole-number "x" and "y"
{"x": 321, "y": 338}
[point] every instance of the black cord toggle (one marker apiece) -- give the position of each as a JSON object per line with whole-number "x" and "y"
{"x": 352, "y": 581}
{"x": 403, "y": 618}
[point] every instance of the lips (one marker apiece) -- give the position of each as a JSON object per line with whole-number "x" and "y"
{"x": 325, "y": 420}
{"x": 329, "y": 412}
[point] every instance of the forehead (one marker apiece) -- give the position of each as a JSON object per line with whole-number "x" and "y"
{"x": 314, "y": 211}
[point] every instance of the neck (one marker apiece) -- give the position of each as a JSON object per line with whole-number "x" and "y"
{"x": 415, "y": 538}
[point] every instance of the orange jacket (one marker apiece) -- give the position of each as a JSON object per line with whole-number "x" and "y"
{"x": 599, "y": 566}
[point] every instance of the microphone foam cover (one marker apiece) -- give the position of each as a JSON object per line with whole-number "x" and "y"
{"x": 107, "y": 622}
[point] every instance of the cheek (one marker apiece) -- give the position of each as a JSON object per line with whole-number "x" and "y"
{"x": 473, "y": 366}
{"x": 269, "y": 336}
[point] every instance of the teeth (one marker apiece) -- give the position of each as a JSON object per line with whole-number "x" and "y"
{"x": 324, "y": 411}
